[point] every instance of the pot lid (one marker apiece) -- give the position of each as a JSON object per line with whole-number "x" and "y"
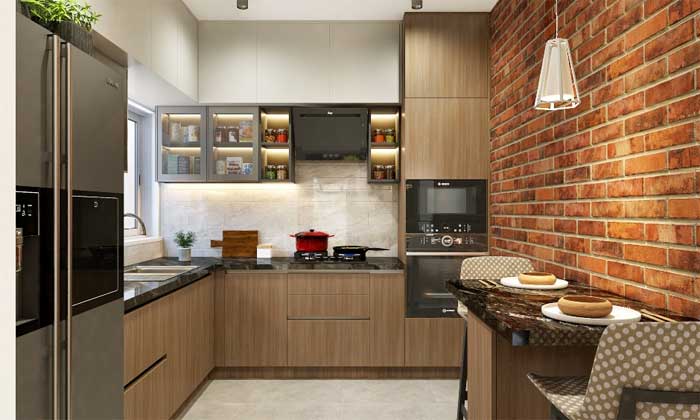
{"x": 313, "y": 233}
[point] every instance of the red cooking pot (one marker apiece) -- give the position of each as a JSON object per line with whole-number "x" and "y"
{"x": 312, "y": 241}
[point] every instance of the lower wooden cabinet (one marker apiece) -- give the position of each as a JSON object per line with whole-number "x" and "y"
{"x": 387, "y": 308}
{"x": 177, "y": 332}
{"x": 254, "y": 327}
{"x": 147, "y": 397}
{"x": 434, "y": 342}
{"x": 329, "y": 343}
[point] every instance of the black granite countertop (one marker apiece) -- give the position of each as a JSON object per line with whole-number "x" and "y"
{"x": 516, "y": 315}
{"x": 137, "y": 294}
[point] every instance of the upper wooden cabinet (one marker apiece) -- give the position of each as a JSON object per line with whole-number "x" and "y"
{"x": 446, "y": 55}
{"x": 446, "y": 138}
{"x": 299, "y": 62}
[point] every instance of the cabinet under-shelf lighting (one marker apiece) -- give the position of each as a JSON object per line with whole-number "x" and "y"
{"x": 384, "y": 156}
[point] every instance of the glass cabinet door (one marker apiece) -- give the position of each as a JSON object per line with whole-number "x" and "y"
{"x": 233, "y": 144}
{"x": 181, "y": 140}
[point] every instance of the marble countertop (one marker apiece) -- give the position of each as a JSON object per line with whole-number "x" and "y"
{"x": 515, "y": 314}
{"x": 137, "y": 294}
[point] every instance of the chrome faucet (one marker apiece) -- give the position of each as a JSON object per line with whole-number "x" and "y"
{"x": 140, "y": 222}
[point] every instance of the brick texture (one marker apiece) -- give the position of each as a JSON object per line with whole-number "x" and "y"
{"x": 608, "y": 193}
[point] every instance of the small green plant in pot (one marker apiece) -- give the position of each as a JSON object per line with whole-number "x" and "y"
{"x": 184, "y": 241}
{"x": 69, "y": 19}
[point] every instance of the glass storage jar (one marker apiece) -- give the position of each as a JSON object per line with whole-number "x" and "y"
{"x": 270, "y": 172}
{"x": 390, "y": 135}
{"x": 378, "y": 172}
{"x": 282, "y": 135}
{"x": 377, "y": 136}
{"x": 281, "y": 172}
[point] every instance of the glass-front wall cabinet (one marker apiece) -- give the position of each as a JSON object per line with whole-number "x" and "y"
{"x": 182, "y": 154}
{"x": 276, "y": 152}
{"x": 384, "y": 146}
{"x": 233, "y": 144}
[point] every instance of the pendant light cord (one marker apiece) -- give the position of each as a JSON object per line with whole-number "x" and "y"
{"x": 556, "y": 18}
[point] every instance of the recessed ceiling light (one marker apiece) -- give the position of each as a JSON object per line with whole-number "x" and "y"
{"x": 242, "y": 4}
{"x": 417, "y": 4}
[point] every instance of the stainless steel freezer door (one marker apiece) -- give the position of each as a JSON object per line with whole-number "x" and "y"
{"x": 98, "y": 124}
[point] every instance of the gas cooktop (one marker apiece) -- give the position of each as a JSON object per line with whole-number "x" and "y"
{"x": 323, "y": 257}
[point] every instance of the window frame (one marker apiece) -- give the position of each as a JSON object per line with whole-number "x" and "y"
{"x": 140, "y": 121}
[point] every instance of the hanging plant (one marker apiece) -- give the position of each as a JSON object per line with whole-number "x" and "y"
{"x": 50, "y": 13}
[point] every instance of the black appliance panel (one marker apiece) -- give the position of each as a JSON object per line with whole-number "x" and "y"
{"x": 426, "y": 295}
{"x": 97, "y": 265}
{"x": 331, "y": 133}
{"x": 447, "y": 206}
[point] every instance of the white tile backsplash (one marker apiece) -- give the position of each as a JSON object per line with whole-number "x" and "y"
{"x": 332, "y": 197}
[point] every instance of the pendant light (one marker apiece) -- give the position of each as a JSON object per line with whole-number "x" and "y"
{"x": 557, "y": 87}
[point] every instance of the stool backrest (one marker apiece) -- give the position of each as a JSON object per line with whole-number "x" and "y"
{"x": 644, "y": 355}
{"x": 493, "y": 268}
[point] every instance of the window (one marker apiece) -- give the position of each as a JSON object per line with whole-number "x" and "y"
{"x": 132, "y": 178}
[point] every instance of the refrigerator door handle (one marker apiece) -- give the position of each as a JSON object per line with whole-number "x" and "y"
{"x": 55, "y": 48}
{"x": 69, "y": 224}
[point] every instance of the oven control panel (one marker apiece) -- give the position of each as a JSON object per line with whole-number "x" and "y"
{"x": 426, "y": 227}
{"x": 448, "y": 242}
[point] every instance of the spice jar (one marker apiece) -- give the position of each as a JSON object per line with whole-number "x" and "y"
{"x": 389, "y": 170}
{"x": 270, "y": 172}
{"x": 378, "y": 172}
{"x": 282, "y": 135}
{"x": 281, "y": 171}
{"x": 270, "y": 135}
{"x": 390, "y": 135}
{"x": 377, "y": 136}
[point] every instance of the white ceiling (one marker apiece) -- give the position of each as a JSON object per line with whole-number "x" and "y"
{"x": 327, "y": 9}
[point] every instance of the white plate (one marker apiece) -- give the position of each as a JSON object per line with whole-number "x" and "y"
{"x": 514, "y": 282}
{"x": 619, "y": 315}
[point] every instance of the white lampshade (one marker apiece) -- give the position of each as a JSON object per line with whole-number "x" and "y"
{"x": 557, "y": 88}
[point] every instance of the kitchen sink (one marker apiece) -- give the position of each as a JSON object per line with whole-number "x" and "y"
{"x": 149, "y": 273}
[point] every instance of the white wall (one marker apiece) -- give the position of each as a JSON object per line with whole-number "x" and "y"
{"x": 7, "y": 212}
{"x": 330, "y": 197}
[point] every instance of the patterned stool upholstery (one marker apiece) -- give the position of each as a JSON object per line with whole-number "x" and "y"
{"x": 634, "y": 357}
{"x": 493, "y": 268}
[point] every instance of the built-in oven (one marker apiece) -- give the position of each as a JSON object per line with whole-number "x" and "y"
{"x": 446, "y": 222}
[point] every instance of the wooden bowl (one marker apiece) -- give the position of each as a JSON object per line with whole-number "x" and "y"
{"x": 585, "y": 306}
{"x": 540, "y": 279}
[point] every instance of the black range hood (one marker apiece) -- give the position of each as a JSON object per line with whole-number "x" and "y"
{"x": 331, "y": 133}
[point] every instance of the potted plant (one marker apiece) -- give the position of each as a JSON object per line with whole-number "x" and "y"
{"x": 68, "y": 19}
{"x": 184, "y": 241}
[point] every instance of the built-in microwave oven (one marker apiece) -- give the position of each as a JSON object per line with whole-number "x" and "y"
{"x": 446, "y": 206}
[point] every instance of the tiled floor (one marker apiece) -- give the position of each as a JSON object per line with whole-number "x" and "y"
{"x": 326, "y": 400}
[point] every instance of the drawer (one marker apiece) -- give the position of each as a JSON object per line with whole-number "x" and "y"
{"x": 328, "y": 307}
{"x": 328, "y": 284}
{"x": 328, "y": 343}
{"x": 144, "y": 339}
{"x": 147, "y": 398}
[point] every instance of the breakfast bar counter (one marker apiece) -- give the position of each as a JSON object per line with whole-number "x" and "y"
{"x": 508, "y": 337}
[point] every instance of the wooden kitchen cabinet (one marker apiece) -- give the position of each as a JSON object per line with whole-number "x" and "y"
{"x": 329, "y": 342}
{"x": 144, "y": 339}
{"x": 168, "y": 350}
{"x": 446, "y": 138}
{"x": 434, "y": 342}
{"x": 387, "y": 308}
{"x": 189, "y": 338}
{"x": 255, "y": 320}
{"x": 147, "y": 398}
{"x": 446, "y": 55}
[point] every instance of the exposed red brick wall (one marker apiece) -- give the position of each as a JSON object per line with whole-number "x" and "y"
{"x": 607, "y": 193}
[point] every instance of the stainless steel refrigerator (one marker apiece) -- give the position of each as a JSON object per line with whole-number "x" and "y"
{"x": 71, "y": 126}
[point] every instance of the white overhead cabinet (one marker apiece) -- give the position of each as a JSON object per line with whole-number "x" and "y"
{"x": 293, "y": 63}
{"x": 299, "y": 62}
{"x": 228, "y": 56}
{"x": 160, "y": 34}
{"x": 365, "y": 62}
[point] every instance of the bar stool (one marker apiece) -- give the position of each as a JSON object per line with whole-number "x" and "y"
{"x": 641, "y": 371}
{"x": 482, "y": 268}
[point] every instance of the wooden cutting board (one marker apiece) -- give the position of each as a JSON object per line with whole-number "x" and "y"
{"x": 238, "y": 243}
